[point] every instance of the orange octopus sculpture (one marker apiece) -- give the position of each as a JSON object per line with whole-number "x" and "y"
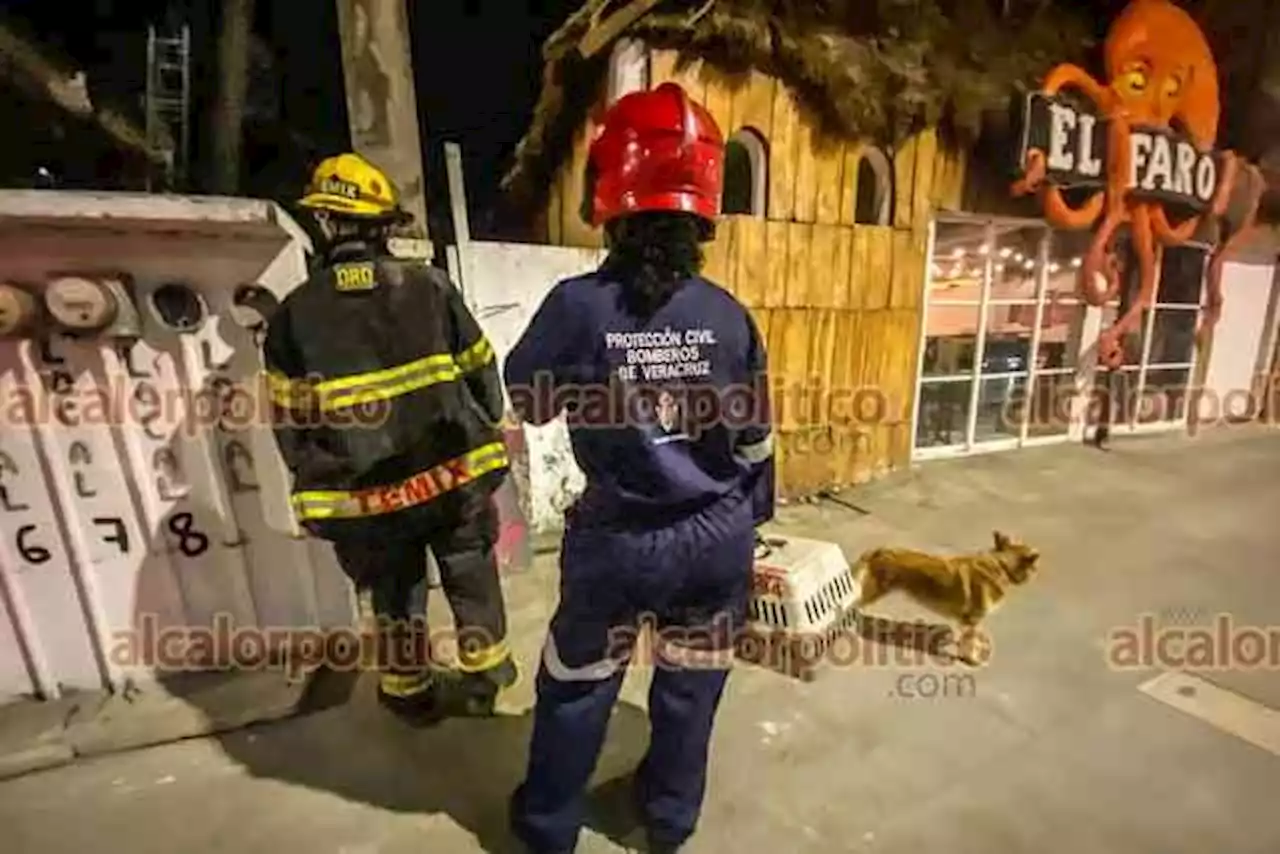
{"x": 1160, "y": 74}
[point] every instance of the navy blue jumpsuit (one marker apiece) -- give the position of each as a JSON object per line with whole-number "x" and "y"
{"x": 669, "y": 420}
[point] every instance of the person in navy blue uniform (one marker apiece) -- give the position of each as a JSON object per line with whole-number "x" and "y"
{"x": 661, "y": 376}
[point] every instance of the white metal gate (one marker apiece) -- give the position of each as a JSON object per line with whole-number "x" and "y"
{"x": 504, "y": 285}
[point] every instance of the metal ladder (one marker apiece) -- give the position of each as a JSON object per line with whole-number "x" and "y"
{"x": 168, "y": 100}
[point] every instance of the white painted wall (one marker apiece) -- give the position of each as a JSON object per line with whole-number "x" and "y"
{"x": 504, "y": 284}
{"x": 1242, "y": 330}
{"x": 79, "y": 488}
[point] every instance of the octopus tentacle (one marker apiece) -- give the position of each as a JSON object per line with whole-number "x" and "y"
{"x": 1171, "y": 235}
{"x": 1034, "y": 170}
{"x": 1230, "y": 174}
{"x": 1095, "y": 267}
{"x": 1099, "y": 281}
{"x": 1213, "y": 300}
{"x": 1057, "y": 211}
{"x": 1148, "y": 251}
{"x": 1065, "y": 75}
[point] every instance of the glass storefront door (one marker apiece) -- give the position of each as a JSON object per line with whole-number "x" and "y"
{"x": 1003, "y": 326}
{"x": 1151, "y": 391}
{"x": 1007, "y": 356}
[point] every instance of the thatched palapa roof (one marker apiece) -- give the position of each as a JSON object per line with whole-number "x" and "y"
{"x": 863, "y": 69}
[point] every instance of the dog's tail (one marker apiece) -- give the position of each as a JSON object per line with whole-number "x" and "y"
{"x": 871, "y": 573}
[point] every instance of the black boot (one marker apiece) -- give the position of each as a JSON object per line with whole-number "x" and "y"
{"x": 421, "y": 708}
{"x": 479, "y": 691}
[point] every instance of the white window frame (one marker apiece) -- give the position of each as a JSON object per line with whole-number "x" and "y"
{"x": 1134, "y": 426}
{"x": 1085, "y": 370}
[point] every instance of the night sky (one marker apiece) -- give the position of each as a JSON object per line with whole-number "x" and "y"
{"x": 477, "y": 65}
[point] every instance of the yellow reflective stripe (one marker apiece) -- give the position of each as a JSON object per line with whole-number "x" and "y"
{"x": 286, "y": 392}
{"x": 476, "y": 356}
{"x": 356, "y": 389}
{"x": 418, "y": 489}
{"x": 405, "y": 685}
{"x": 343, "y": 398}
{"x": 476, "y": 661}
{"x": 386, "y": 375}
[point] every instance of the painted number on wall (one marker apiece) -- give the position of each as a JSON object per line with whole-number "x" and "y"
{"x": 190, "y": 541}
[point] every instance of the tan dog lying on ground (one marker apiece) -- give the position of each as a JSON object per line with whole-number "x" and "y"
{"x": 965, "y": 588}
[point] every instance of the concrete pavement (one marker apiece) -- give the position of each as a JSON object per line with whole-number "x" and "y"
{"x": 1046, "y": 749}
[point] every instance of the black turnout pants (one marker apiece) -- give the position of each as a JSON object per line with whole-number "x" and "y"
{"x": 393, "y": 567}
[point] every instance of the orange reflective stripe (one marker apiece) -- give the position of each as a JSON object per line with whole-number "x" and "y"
{"x": 418, "y": 489}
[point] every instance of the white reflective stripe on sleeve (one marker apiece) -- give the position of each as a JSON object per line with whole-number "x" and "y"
{"x": 689, "y": 658}
{"x": 596, "y": 671}
{"x": 757, "y": 452}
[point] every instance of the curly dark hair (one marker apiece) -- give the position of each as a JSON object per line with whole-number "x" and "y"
{"x": 652, "y": 254}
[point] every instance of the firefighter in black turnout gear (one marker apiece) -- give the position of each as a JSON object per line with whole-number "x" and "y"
{"x": 387, "y": 403}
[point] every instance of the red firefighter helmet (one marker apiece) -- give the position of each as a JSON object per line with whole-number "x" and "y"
{"x": 656, "y": 151}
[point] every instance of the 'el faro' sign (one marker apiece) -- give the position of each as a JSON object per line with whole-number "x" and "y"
{"x": 1164, "y": 166}
{"x": 1143, "y": 161}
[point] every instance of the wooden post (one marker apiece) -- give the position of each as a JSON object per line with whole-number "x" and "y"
{"x": 377, "y": 65}
{"x": 233, "y": 82}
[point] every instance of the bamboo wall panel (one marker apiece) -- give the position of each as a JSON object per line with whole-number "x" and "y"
{"x": 753, "y": 104}
{"x": 784, "y": 366}
{"x": 828, "y": 158}
{"x": 574, "y": 230}
{"x": 887, "y": 359}
{"x": 799, "y": 251}
{"x": 858, "y": 268}
{"x": 718, "y": 90}
{"x": 662, "y": 67}
{"x": 864, "y": 452}
{"x": 719, "y": 255}
{"x": 821, "y": 274}
{"x": 901, "y": 380}
{"x": 845, "y": 428}
{"x": 823, "y": 368}
{"x": 689, "y": 76}
{"x": 938, "y": 184}
{"x": 841, "y": 267}
{"x": 948, "y": 182}
{"x": 751, "y": 276}
{"x": 908, "y": 269}
{"x": 879, "y": 267}
{"x": 775, "y": 295}
{"x": 805, "y": 205}
{"x": 551, "y": 219}
{"x": 800, "y": 281}
{"x": 922, "y": 182}
{"x": 904, "y": 172}
{"x": 783, "y": 155}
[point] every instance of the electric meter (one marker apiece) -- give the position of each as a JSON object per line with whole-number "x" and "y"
{"x": 80, "y": 305}
{"x": 19, "y": 311}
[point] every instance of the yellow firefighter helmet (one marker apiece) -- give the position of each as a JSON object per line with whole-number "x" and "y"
{"x": 348, "y": 185}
